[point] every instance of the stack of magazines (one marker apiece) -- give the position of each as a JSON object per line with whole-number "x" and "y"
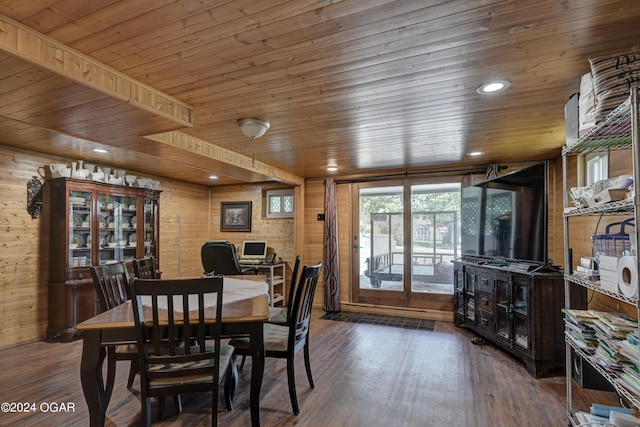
{"x": 630, "y": 375}
{"x": 579, "y": 329}
{"x": 605, "y": 416}
{"x": 611, "y": 331}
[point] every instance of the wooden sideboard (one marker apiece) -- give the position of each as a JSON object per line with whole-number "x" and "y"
{"x": 518, "y": 311}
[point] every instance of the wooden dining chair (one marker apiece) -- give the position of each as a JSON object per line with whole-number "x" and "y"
{"x": 283, "y": 341}
{"x": 167, "y": 366}
{"x": 111, "y": 283}
{"x": 279, "y": 315}
{"x": 145, "y": 268}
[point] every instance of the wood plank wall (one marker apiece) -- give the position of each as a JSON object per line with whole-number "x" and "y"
{"x": 184, "y": 217}
{"x": 581, "y": 229}
{"x": 24, "y": 246}
{"x": 190, "y": 215}
{"x": 314, "y": 234}
{"x": 279, "y": 233}
{"x": 24, "y": 243}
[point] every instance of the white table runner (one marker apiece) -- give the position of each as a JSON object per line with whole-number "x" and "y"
{"x": 233, "y": 290}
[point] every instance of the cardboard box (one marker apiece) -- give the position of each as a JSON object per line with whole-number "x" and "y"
{"x": 606, "y": 196}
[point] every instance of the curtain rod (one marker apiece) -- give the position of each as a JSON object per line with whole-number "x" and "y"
{"x": 476, "y": 169}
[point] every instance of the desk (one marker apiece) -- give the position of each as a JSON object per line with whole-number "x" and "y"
{"x": 239, "y": 318}
{"x": 276, "y": 275}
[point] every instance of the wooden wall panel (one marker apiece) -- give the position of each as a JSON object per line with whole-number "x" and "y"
{"x": 279, "y": 233}
{"x": 314, "y": 234}
{"x": 345, "y": 239}
{"x": 184, "y": 215}
{"x": 555, "y": 230}
{"x": 190, "y": 215}
{"x": 24, "y": 244}
{"x": 582, "y": 228}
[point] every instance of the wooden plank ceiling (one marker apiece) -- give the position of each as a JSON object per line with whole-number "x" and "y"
{"x": 372, "y": 86}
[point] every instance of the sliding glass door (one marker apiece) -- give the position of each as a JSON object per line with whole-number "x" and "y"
{"x": 408, "y": 234}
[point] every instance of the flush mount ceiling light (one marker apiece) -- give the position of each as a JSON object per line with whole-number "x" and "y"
{"x": 476, "y": 153}
{"x": 493, "y": 87}
{"x": 253, "y": 128}
{"x": 99, "y": 150}
{"x": 332, "y": 168}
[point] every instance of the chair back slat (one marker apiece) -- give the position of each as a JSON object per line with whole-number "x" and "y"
{"x": 292, "y": 288}
{"x": 300, "y": 314}
{"x": 111, "y": 282}
{"x": 145, "y": 268}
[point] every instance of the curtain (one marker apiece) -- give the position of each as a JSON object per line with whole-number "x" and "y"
{"x": 331, "y": 265}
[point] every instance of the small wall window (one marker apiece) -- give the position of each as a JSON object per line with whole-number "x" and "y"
{"x": 597, "y": 167}
{"x": 279, "y": 204}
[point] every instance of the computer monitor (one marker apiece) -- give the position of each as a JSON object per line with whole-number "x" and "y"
{"x": 254, "y": 249}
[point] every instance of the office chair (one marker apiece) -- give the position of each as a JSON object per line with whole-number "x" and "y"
{"x": 221, "y": 257}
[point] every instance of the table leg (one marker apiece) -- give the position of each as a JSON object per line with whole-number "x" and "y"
{"x": 93, "y": 354}
{"x": 257, "y": 371}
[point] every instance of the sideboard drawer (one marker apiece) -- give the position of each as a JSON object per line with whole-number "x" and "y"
{"x": 484, "y": 301}
{"x": 485, "y": 284}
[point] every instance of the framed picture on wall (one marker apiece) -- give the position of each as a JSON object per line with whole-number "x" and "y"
{"x": 235, "y": 216}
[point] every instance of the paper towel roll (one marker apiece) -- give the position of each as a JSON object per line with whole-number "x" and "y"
{"x": 628, "y": 276}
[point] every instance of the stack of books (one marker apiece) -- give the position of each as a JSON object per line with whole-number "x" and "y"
{"x": 630, "y": 375}
{"x": 611, "y": 330}
{"x": 587, "y": 419}
{"x": 603, "y": 415}
{"x": 579, "y": 328}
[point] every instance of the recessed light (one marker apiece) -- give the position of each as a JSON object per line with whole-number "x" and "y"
{"x": 476, "y": 153}
{"x": 213, "y": 177}
{"x": 99, "y": 150}
{"x": 332, "y": 168}
{"x": 493, "y": 87}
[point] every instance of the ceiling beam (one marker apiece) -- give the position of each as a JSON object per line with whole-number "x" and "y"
{"x": 45, "y": 52}
{"x": 259, "y": 171}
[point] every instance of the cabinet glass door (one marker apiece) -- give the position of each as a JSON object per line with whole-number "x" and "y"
{"x": 459, "y": 284}
{"x": 117, "y": 228}
{"x": 79, "y": 228}
{"x": 471, "y": 300}
{"x": 520, "y": 310}
{"x": 504, "y": 307}
{"x": 150, "y": 227}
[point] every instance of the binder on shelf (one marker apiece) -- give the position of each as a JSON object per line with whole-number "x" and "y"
{"x": 605, "y": 410}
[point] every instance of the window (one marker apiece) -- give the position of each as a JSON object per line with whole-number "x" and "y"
{"x": 279, "y": 204}
{"x": 596, "y": 167}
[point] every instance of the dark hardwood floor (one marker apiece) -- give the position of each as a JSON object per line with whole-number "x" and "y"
{"x": 366, "y": 374}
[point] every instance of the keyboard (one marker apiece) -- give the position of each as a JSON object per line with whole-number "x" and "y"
{"x": 250, "y": 261}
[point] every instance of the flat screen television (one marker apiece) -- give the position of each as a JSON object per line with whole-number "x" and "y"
{"x": 505, "y": 219}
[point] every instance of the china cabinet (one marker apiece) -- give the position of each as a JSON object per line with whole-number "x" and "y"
{"x": 93, "y": 223}
{"x": 620, "y": 130}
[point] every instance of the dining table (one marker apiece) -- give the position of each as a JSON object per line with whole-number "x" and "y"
{"x": 244, "y": 311}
